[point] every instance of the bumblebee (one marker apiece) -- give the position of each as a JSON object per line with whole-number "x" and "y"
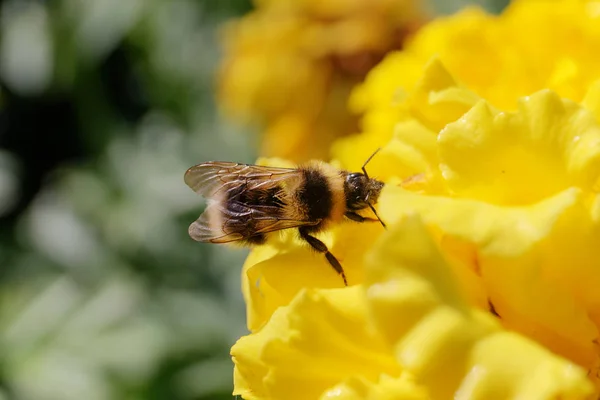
{"x": 248, "y": 202}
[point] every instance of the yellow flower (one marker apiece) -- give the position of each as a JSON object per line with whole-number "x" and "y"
{"x": 499, "y": 157}
{"x": 532, "y": 45}
{"x": 510, "y": 197}
{"x": 289, "y": 66}
{"x": 520, "y": 212}
{"x": 406, "y": 333}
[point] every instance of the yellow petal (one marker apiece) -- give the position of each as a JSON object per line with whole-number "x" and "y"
{"x": 449, "y": 348}
{"x": 535, "y": 44}
{"x": 552, "y": 290}
{"x": 591, "y": 100}
{"x": 412, "y": 150}
{"x": 538, "y": 264}
{"x": 275, "y": 273}
{"x": 437, "y": 98}
{"x": 261, "y": 298}
{"x": 249, "y": 371}
{"x": 519, "y": 158}
{"x": 317, "y": 341}
{"x": 532, "y": 303}
{"x": 387, "y": 388}
{"x": 510, "y": 231}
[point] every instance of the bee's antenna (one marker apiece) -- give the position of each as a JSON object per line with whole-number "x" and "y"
{"x": 377, "y": 215}
{"x": 364, "y": 170}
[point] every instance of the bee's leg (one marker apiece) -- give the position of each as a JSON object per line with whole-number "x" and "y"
{"x": 492, "y": 308}
{"x": 359, "y": 218}
{"x": 322, "y": 248}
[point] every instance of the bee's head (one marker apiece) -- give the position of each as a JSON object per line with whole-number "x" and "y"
{"x": 361, "y": 191}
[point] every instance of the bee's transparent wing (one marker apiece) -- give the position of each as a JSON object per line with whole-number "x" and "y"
{"x": 208, "y": 227}
{"x": 219, "y": 224}
{"x": 210, "y": 178}
{"x": 223, "y": 221}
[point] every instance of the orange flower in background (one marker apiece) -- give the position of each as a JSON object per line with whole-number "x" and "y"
{"x": 290, "y": 65}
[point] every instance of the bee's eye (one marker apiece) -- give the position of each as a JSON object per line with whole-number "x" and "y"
{"x": 354, "y": 178}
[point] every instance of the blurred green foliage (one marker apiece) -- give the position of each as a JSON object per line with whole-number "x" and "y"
{"x": 450, "y": 6}
{"x": 103, "y": 295}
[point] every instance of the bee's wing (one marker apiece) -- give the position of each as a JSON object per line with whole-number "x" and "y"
{"x": 214, "y": 176}
{"x": 218, "y": 224}
{"x": 222, "y": 223}
{"x": 204, "y": 230}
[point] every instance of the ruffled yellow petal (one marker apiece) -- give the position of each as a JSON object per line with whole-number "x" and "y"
{"x": 276, "y": 272}
{"x": 261, "y": 299}
{"x": 450, "y": 348}
{"x": 521, "y": 157}
{"x": 408, "y": 135}
{"x": 438, "y": 98}
{"x": 561, "y": 274}
{"x": 536, "y": 45}
{"x": 510, "y": 231}
{"x": 412, "y": 150}
{"x": 537, "y": 263}
{"x": 387, "y": 388}
{"x": 532, "y": 45}
{"x": 249, "y": 371}
{"x": 318, "y": 340}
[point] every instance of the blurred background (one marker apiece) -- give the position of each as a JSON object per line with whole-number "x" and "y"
{"x": 103, "y": 106}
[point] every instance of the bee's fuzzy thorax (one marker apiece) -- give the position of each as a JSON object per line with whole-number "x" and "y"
{"x": 321, "y": 194}
{"x": 335, "y": 179}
